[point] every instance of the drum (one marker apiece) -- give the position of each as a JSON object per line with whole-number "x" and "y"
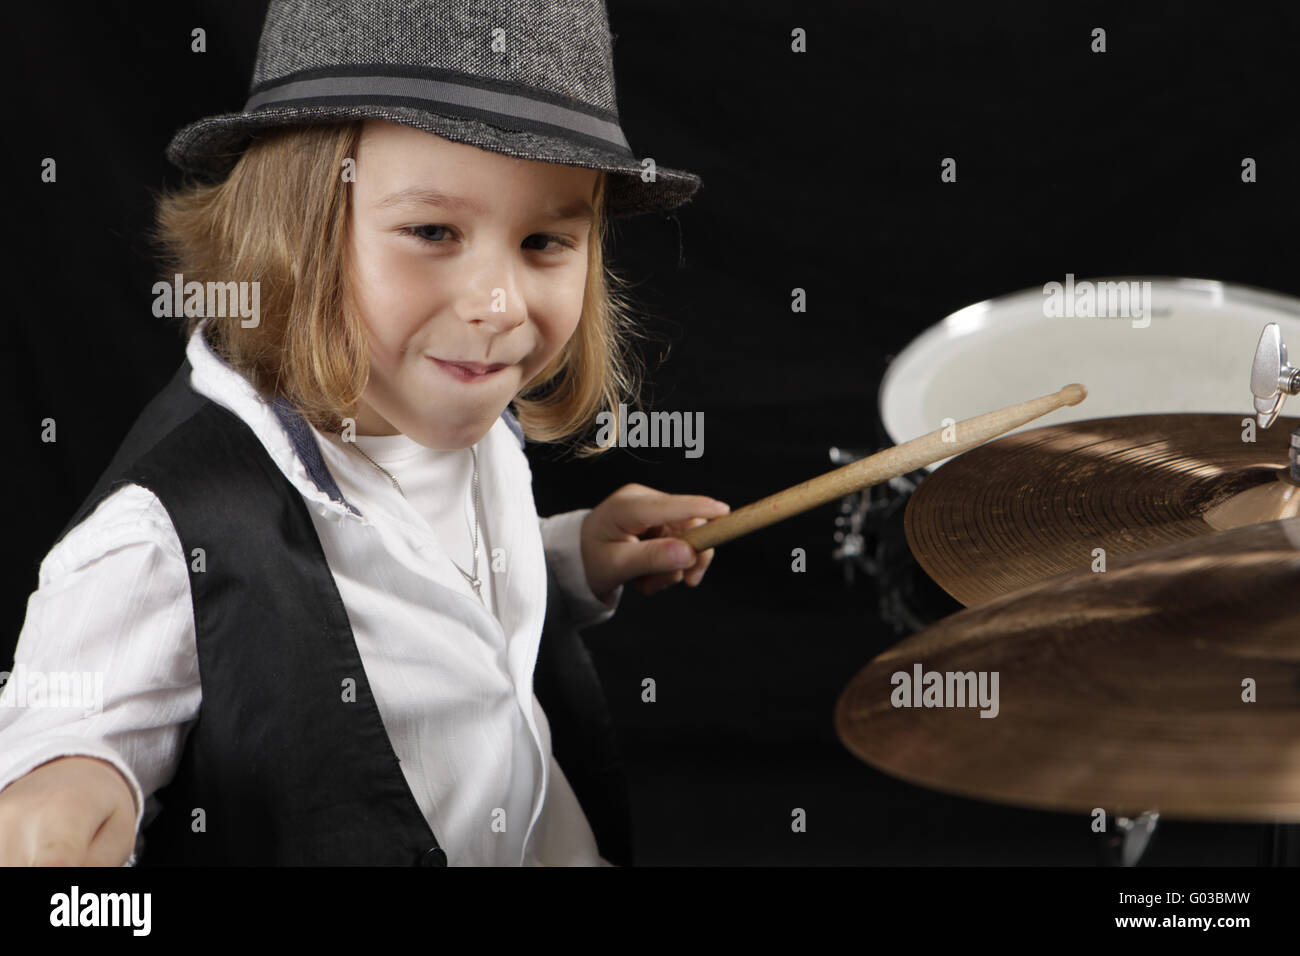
{"x": 1187, "y": 349}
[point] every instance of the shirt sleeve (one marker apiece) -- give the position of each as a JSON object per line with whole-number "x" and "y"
{"x": 106, "y": 664}
{"x": 562, "y": 541}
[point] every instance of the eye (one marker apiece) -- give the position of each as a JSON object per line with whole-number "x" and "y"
{"x": 547, "y": 238}
{"x": 435, "y": 235}
{"x": 418, "y": 232}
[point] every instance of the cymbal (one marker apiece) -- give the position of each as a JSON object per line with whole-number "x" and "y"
{"x": 1121, "y": 690}
{"x": 1039, "y": 503}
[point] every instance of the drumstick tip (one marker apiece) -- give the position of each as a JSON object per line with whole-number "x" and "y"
{"x": 1074, "y": 394}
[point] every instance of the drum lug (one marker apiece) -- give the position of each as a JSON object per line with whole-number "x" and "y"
{"x": 1272, "y": 378}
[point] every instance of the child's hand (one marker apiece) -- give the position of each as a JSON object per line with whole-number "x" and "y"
{"x": 613, "y": 549}
{"x": 71, "y": 811}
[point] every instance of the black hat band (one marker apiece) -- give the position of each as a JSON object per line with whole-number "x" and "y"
{"x": 513, "y": 106}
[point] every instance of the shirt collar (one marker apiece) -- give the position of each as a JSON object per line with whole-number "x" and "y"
{"x": 308, "y": 451}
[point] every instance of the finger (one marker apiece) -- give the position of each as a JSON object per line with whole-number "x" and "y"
{"x": 637, "y": 515}
{"x": 650, "y": 583}
{"x": 677, "y": 528}
{"x": 57, "y": 848}
{"x": 628, "y": 560}
{"x": 115, "y": 841}
{"x": 696, "y": 573}
{"x": 15, "y": 847}
{"x": 674, "y": 529}
{"x": 60, "y": 832}
{"x": 654, "y": 583}
{"x": 693, "y": 574}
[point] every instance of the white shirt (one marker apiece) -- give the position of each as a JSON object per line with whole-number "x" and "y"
{"x": 451, "y": 677}
{"x": 436, "y": 490}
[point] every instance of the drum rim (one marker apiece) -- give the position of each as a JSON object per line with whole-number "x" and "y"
{"x": 1256, "y": 295}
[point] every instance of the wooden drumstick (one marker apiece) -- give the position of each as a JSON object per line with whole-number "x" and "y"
{"x": 877, "y": 468}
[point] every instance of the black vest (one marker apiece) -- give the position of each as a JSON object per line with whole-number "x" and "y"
{"x": 286, "y": 771}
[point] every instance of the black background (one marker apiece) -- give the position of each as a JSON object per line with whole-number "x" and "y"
{"x": 820, "y": 171}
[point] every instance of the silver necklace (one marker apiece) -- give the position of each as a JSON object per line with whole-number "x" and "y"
{"x": 474, "y": 580}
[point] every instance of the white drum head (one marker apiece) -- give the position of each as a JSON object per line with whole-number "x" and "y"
{"x": 1193, "y": 355}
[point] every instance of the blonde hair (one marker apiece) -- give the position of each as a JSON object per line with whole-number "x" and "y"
{"x": 280, "y": 218}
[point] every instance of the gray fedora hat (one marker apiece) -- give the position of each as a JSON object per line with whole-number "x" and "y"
{"x": 533, "y": 79}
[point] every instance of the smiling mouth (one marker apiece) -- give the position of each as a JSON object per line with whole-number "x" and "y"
{"x": 469, "y": 371}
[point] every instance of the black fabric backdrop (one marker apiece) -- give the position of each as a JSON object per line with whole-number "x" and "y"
{"x": 820, "y": 171}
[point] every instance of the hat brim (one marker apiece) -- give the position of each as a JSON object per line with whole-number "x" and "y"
{"x": 211, "y": 147}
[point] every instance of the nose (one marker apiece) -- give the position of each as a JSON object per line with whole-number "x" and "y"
{"x": 491, "y": 295}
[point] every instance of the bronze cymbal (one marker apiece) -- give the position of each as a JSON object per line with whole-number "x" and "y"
{"x": 1121, "y": 689}
{"x": 1040, "y": 502}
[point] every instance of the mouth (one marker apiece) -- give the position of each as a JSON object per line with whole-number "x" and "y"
{"x": 469, "y": 371}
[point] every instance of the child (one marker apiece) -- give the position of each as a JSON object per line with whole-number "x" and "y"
{"x": 313, "y": 579}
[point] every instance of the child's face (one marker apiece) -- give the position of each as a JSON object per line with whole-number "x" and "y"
{"x": 497, "y": 277}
